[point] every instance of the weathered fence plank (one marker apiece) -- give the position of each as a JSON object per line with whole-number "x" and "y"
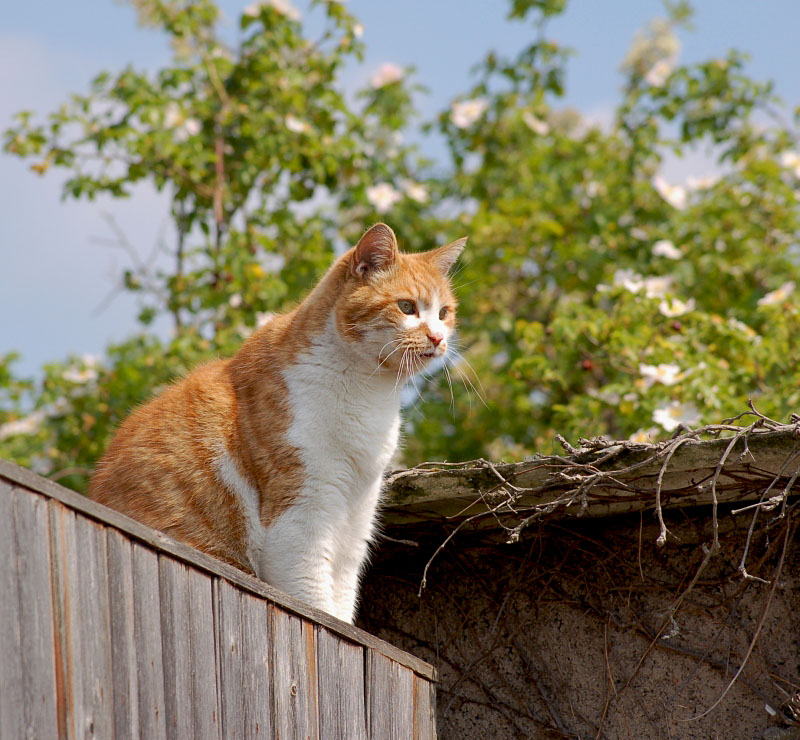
{"x": 175, "y": 649}
{"x": 139, "y": 709}
{"x": 340, "y": 665}
{"x": 243, "y": 663}
{"x": 256, "y": 668}
{"x": 81, "y": 598}
{"x": 203, "y": 655}
{"x": 147, "y": 636}
{"x": 390, "y": 699}
{"x": 12, "y": 722}
{"x": 36, "y": 611}
{"x": 189, "y": 655}
{"x": 123, "y": 642}
{"x": 229, "y": 645}
{"x": 424, "y": 710}
{"x": 294, "y": 677}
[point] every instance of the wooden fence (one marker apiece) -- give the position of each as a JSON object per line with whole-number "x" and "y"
{"x": 109, "y": 629}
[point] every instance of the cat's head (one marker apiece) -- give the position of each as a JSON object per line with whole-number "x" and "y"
{"x": 397, "y": 311}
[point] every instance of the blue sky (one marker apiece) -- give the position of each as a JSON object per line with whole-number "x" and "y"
{"x": 54, "y": 274}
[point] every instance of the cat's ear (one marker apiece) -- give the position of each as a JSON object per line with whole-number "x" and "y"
{"x": 376, "y": 250}
{"x": 445, "y": 257}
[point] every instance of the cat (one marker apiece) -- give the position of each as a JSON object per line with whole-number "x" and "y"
{"x": 273, "y": 460}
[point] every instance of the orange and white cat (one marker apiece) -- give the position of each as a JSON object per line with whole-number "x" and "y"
{"x": 273, "y": 459}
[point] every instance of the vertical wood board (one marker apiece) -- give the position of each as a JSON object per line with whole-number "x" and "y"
{"x": 79, "y": 555}
{"x": 390, "y": 698}
{"x": 228, "y": 612}
{"x": 123, "y": 644}
{"x": 342, "y": 712}
{"x": 175, "y": 648}
{"x": 256, "y": 668}
{"x": 147, "y": 639}
{"x": 12, "y": 721}
{"x": 294, "y": 677}
{"x": 203, "y": 655}
{"x": 424, "y": 710}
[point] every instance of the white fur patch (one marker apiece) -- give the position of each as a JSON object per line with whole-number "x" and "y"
{"x": 428, "y": 315}
{"x": 345, "y": 425}
{"x": 229, "y": 473}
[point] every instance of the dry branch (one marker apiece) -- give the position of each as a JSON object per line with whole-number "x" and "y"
{"x": 603, "y": 478}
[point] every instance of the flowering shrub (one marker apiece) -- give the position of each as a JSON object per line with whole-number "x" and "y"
{"x": 596, "y": 296}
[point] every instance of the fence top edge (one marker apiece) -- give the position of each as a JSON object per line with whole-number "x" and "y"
{"x": 23, "y": 478}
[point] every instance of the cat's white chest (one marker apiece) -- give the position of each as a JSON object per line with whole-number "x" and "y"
{"x": 345, "y": 426}
{"x": 345, "y": 431}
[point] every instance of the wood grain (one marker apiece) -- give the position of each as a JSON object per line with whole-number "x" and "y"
{"x": 294, "y": 677}
{"x": 390, "y": 699}
{"x": 105, "y": 634}
{"x": 342, "y": 711}
{"x": 200, "y": 561}
{"x": 83, "y": 622}
{"x": 12, "y": 721}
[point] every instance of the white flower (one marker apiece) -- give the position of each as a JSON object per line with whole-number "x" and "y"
{"x": 675, "y": 195}
{"x": 26, "y": 425}
{"x": 284, "y": 7}
{"x": 264, "y": 317}
{"x": 674, "y": 414}
{"x": 41, "y": 465}
{"x": 358, "y": 30}
{"x": 538, "y": 397}
{"x": 465, "y": 112}
{"x": 296, "y": 125}
{"x": 386, "y": 74}
{"x": 74, "y": 375}
{"x": 672, "y": 307}
{"x": 415, "y": 191}
{"x": 383, "y": 196}
{"x": 701, "y": 183}
{"x": 644, "y": 436}
{"x": 173, "y": 115}
{"x": 85, "y": 372}
{"x": 665, "y": 248}
{"x": 663, "y": 373}
{"x": 791, "y": 161}
{"x": 777, "y": 296}
{"x": 748, "y": 331}
{"x": 192, "y": 126}
{"x": 628, "y": 279}
{"x": 537, "y": 125}
{"x": 594, "y": 188}
{"x": 657, "y": 286}
{"x": 657, "y": 74}
{"x": 235, "y": 300}
{"x": 175, "y": 118}
{"x": 640, "y": 234}
{"x": 499, "y": 359}
{"x": 273, "y": 262}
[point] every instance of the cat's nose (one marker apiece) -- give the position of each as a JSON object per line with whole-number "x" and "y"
{"x": 436, "y": 339}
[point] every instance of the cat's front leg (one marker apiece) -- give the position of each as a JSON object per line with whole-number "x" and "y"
{"x": 346, "y": 577}
{"x": 297, "y": 556}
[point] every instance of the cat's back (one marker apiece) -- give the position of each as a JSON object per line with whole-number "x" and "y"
{"x": 163, "y": 454}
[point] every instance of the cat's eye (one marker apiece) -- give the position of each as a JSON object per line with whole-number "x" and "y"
{"x": 407, "y": 307}
{"x": 442, "y": 313}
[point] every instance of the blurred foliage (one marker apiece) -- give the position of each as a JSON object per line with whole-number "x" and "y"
{"x": 596, "y": 297}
